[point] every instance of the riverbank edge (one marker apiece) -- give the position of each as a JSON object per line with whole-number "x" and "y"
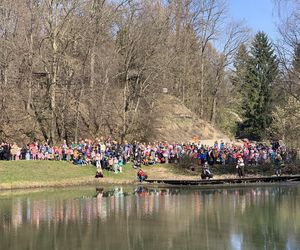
{"x": 158, "y": 172}
{"x": 90, "y": 181}
{"x": 64, "y": 183}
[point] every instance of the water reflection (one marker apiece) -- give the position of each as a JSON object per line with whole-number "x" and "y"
{"x": 148, "y": 218}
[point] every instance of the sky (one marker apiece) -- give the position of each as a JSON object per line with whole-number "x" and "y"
{"x": 259, "y": 15}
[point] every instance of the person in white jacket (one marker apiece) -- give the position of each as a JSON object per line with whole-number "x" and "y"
{"x": 240, "y": 166}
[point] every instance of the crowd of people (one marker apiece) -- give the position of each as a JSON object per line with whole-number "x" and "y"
{"x": 113, "y": 156}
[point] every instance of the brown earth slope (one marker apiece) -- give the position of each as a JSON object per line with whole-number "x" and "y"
{"x": 174, "y": 122}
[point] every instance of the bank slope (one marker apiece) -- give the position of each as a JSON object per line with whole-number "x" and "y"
{"x": 174, "y": 122}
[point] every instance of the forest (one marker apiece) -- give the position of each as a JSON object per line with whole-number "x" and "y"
{"x": 71, "y": 69}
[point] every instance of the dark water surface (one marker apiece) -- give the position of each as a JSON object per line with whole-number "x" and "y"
{"x": 152, "y": 218}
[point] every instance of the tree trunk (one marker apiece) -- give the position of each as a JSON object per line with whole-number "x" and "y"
{"x": 3, "y": 88}
{"x": 125, "y": 106}
{"x": 29, "y": 97}
{"x": 213, "y": 110}
{"x": 93, "y": 55}
{"x": 202, "y": 89}
{"x": 78, "y": 103}
{"x": 215, "y": 95}
{"x": 53, "y": 84}
{"x": 5, "y": 83}
{"x": 53, "y": 107}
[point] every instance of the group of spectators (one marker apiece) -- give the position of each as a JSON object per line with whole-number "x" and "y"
{"x": 112, "y": 155}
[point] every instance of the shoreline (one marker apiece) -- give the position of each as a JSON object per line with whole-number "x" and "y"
{"x": 109, "y": 181}
{"x": 106, "y": 181}
{"x": 58, "y": 174}
{"x": 63, "y": 184}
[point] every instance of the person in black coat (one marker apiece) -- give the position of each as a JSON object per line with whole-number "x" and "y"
{"x": 6, "y": 151}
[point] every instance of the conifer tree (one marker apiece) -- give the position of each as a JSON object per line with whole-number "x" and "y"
{"x": 240, "y": 66}
{"x": 261, "y": 73}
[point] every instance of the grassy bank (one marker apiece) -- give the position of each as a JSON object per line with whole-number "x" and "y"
{"x": 33, "y": 174}
{"x": 36, "y": 174}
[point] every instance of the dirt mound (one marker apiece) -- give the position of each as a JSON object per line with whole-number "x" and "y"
{"x": 174, "y": 122}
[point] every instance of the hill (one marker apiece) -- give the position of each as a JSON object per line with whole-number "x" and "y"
{"x": 174, "y": 122}
{"x": 169, "y": 121}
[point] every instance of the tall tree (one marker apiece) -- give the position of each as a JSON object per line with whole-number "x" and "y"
{"x": 262, "y": 70}
{"x": 234, "y": 35}
{"x": 288, "y": 43}
{"x": 294, "y": 74}
{"x": 296, "y": 61}
{"x": 240, "y": 67}
{"x": 286, "y": 114}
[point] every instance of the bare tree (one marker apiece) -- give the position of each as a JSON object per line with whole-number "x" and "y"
{"x": 287, "y": 45}
{"x": 141, "y": 40}
{"x": 235, "y": 35}
{"x": 208, "y": 16}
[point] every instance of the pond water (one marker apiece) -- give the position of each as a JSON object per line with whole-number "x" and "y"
{"x": 138, "y": 217}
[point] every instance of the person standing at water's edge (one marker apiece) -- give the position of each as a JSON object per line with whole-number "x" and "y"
{"x": 278, "y": 163}
{"x": 240, "y": 166}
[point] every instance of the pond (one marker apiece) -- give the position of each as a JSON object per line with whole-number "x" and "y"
{"x": 140, "y": 217}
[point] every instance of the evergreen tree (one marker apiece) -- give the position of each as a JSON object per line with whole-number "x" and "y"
{"x": 233, "y": 115}
{"x": 240, "y": 65}
{"x": 260, "y": 76}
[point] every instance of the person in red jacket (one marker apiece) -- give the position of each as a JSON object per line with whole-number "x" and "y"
{"x": 141, "y": 175}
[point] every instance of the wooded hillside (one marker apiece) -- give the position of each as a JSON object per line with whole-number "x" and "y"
{"x": 88, "y": 68}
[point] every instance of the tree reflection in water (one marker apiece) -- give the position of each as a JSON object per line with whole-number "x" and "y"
{"x": 147, "y": 218}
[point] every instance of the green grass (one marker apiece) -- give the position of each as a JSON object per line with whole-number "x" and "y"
{"x": 30, "y": 174}
{"x": 19, "y": 171}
